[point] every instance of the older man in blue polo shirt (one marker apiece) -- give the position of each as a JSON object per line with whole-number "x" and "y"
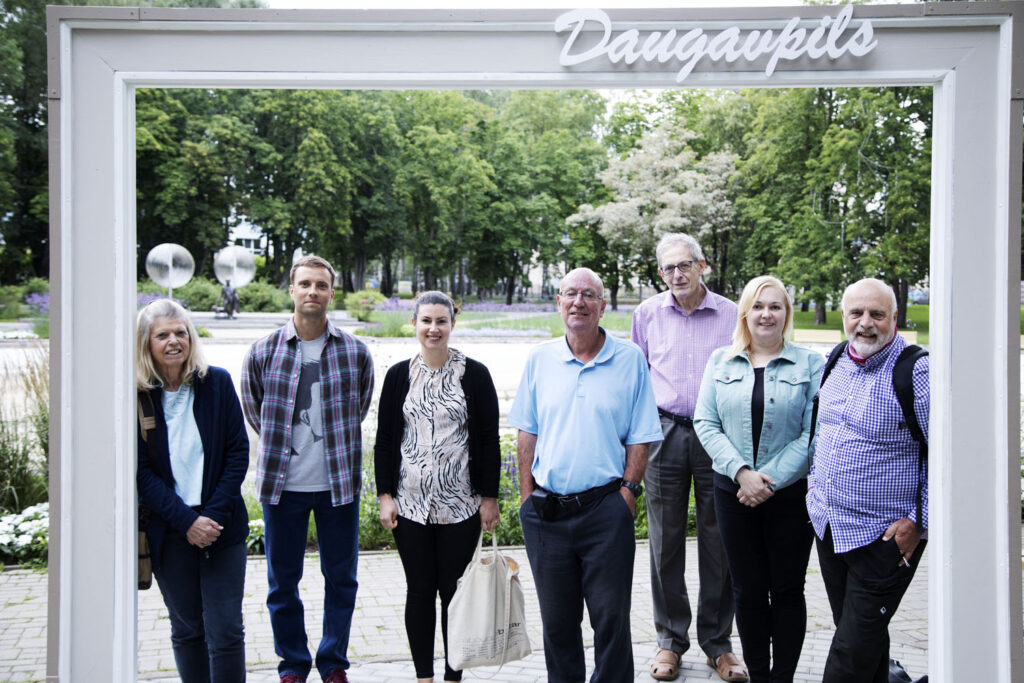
{"x": 586, "y": 417}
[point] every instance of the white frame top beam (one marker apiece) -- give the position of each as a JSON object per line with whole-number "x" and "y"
{"x": 969, "y": 52}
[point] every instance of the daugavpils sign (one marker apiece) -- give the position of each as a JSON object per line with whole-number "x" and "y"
{"x": 831, "y": 38}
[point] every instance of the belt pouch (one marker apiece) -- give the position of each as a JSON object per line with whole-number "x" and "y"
{"x": 544, "y": 503}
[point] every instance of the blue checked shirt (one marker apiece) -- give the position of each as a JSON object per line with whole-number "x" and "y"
{"x": 864, "y": 468}
{"x": 270, "y": 379}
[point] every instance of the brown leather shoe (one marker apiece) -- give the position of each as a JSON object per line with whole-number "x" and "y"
{"x": 665, "y": 666}
{"x": 729, "y": 668}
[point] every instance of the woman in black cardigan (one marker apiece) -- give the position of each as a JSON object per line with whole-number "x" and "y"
{"x": 436, "y": 460}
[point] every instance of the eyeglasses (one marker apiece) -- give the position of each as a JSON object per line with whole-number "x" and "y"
{"x": 587, "y": 295}
{"x": 682, "y": 267}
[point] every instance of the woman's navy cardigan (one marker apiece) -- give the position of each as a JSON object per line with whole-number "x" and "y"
{"x": 482, "y": 409}
{"x": 218, "y": 415}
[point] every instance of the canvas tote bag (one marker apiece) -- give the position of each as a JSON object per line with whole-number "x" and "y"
{"x": 486, "y": 625}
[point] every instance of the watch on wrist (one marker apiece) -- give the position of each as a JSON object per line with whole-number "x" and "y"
{"x": 634, "y": 488}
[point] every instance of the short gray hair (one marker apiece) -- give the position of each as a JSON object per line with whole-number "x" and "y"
{"x": 678, "y": 239}
{"x": 875, "y": 282}
{"x": 589, "y": 273}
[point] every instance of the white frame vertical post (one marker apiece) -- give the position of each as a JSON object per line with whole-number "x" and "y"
{"x": 969, "y": 52}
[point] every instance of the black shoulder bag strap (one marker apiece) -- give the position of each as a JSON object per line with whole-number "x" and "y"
{"x": 903, "y": 385}
{"x": 147, "y": 424}
{"x": 833, "y": 358}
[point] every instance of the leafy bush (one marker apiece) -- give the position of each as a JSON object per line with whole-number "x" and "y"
{"x": 198, "y": 294}
{"x": 389, "y": 324}
{"x": 23, "y": 479}
{"x": 11, "y": 307}
{"x": 263, "y": 296}
{"x": 360, "y": 304}
{"x": 24, "y": 536}
{"x": 36, "y": 285}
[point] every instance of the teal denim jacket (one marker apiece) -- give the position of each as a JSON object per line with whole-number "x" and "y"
{"x": 724, "y": 425}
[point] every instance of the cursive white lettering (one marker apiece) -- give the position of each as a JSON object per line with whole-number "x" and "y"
{"x": 728, "y": 45}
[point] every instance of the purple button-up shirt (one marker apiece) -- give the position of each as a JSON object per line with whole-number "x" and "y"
{"x": 864, "y": 469}
{"x": 677, "y": 345}
{"x": 270, "y": 379}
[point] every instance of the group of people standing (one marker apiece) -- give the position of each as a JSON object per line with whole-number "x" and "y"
{"x": 709, "y": 395}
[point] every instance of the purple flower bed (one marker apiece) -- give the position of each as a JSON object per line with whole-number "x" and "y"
{"x": 39, "y": 302}
{"x": 396, "y": 304}
{"x": 493, "y": 307}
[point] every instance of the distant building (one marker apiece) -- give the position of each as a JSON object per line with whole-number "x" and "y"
{"x": 247, "y": 235}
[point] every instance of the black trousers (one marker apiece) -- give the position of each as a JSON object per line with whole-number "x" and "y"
{"x": 865, "y": 586}
{"x": 587, "y": 556}
{"x": 434, "y": 557}
{"x": 768, "y": 547}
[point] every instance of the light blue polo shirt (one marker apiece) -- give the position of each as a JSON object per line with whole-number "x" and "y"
{"x": 584, "y": 416}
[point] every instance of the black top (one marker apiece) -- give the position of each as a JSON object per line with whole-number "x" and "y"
{"x": 757, "y": 409}
{"x": 482, "y": 416}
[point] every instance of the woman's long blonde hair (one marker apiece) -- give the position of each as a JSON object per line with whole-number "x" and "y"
{"x": 741, "y": 340}
{"x": 146, "y": 375}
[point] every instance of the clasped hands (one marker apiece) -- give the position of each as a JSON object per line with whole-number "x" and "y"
{"x": 203, "y": 532}
{"x": 755, "y": 487}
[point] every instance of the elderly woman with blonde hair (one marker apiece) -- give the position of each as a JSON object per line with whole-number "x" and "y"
{"x": 190, "y": 469}
{"x": 753, "y": 417}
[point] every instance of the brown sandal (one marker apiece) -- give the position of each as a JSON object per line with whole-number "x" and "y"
{"x": 665, "y": 666}
{"x": 729, "y": 668}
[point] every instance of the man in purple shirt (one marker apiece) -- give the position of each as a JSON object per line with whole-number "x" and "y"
{"x": 677, "y": 330}
{"x": 865, "y": 479}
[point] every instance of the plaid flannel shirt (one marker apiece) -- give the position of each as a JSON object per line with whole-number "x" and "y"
{"x": 270, "y": 379}
{"x": 864, "y": 470}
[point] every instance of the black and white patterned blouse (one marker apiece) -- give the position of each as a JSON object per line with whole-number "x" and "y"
{"x": 433, "y": 481}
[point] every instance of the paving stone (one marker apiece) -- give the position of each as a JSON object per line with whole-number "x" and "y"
{"x": 378, "y": 648}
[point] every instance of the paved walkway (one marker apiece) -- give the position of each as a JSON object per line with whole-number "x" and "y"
{"x": 378, "y": 648}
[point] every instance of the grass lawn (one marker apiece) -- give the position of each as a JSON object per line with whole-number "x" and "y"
{"x": 917, "y": 320}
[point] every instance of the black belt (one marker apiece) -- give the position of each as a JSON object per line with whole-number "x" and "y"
{"x": 551, "y": 506}
{"x": 678, "y": 419}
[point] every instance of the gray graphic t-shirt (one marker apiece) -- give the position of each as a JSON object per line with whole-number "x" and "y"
{"x": 307, "y": 470}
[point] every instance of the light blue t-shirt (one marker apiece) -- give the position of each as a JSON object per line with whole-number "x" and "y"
{"x": 584, "y": 416}
{"x": 184, "y": 444}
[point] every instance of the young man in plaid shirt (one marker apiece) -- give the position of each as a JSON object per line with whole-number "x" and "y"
{"x": 305, "y": 390}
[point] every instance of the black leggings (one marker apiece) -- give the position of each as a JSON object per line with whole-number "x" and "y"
{"x": 434, "y": 557}
{"x": 768, "y": 547}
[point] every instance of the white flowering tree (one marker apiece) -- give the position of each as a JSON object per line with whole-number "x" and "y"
{"x": 663, "y": 186}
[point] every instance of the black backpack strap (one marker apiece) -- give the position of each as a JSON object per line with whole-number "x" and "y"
{"x": 830, "y": 362}
{"x": 903, "y": 385}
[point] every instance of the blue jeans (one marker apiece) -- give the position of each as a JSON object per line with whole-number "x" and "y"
{"x": 337, "y": 530}
{"x": 203, "y": 595}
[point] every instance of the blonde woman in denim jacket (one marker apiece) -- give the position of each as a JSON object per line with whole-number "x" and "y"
{"x": 753, "y": 417}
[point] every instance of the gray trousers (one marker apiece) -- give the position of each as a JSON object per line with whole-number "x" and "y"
{"x": 672, "y": 464}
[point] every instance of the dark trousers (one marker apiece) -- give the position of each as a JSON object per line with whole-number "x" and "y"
{"x": 672, "y": 465}
{"x": 337, "y": 531}
{"x": 864, "y": 586}
{"x": 203, "y": 594}
{"x": 434, "y": 557}
{"x": 768, "y": 548}
{"x": 587, "y": 556}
